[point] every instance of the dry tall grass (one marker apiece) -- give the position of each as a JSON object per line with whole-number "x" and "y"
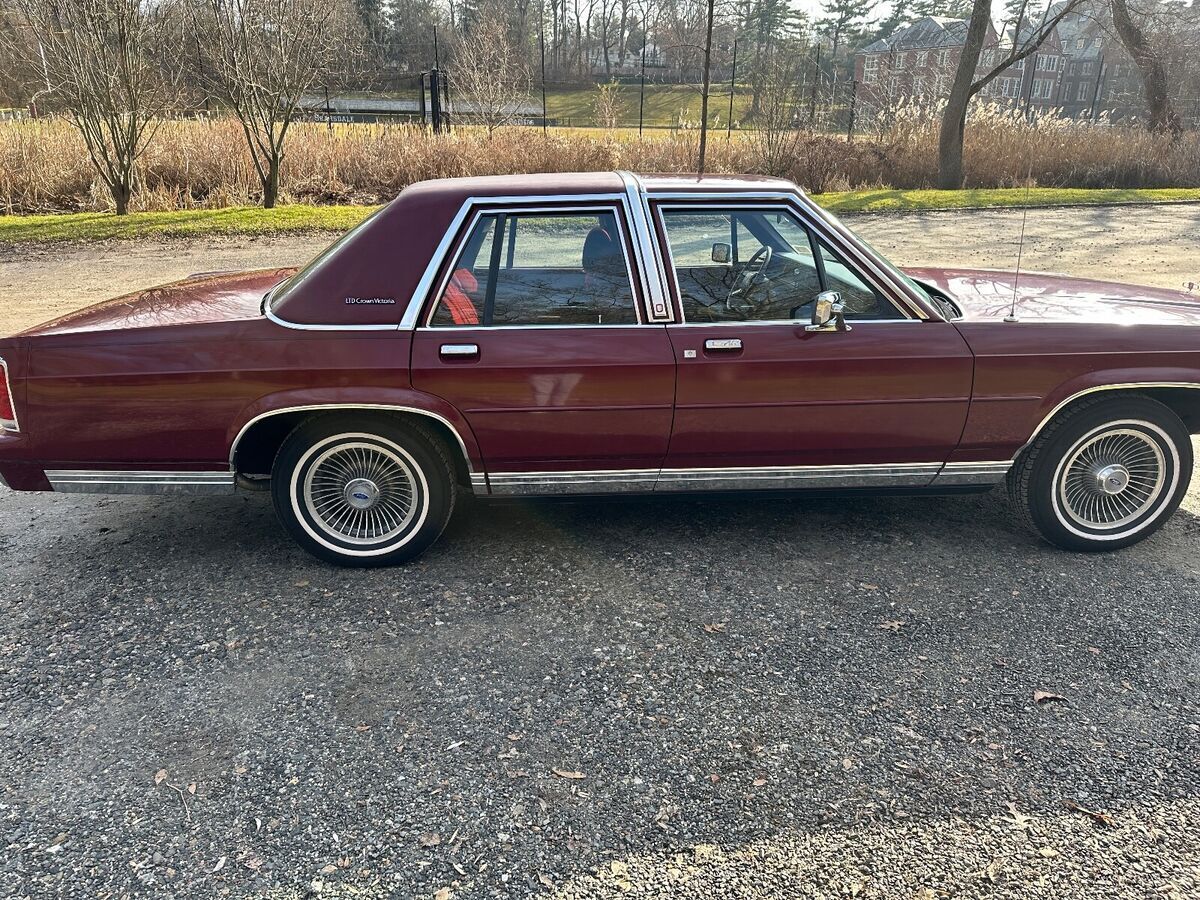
{"x": 44, "y": 168}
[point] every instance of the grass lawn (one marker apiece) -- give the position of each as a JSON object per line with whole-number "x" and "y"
{"x": 254, "y": 221}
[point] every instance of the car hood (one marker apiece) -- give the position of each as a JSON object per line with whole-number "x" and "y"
{"x": 210, "y": 297}
{"x": 988, "y": 294}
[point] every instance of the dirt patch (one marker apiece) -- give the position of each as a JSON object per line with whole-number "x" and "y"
{"x": 1152, "y": 245}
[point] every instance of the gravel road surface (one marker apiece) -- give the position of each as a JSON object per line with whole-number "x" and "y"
{"x": 726, "y": 698}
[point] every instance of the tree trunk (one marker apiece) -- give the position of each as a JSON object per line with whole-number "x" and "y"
{"x": 704, "y": 93}
{"x": 954, "y": 117}
{"x": 1154, "y": 73}
{"x": 121, "y": 193}
{"x": 271, "y": 183}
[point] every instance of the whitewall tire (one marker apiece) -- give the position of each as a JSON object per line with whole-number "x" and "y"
{"x": 363, "y": 491}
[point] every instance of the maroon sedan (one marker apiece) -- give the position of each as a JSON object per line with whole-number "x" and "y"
{"x": 600, "y": 333}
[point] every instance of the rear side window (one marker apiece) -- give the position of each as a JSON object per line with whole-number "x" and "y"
{"x": 564, "y": 268}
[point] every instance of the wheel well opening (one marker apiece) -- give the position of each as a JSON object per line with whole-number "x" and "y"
{"x": 1184, "y": 402}
{"x": 257, "y": 448}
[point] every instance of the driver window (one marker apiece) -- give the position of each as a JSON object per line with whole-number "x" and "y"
{"x": 770, "y": 271}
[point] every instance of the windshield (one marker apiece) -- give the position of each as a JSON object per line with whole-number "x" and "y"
{"x": 280, "y": 291}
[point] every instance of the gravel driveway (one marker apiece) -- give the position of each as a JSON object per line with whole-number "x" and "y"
{"x": 680, "y": 698}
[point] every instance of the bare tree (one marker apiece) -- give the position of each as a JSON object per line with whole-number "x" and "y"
{"x": 100, "y": 60}
{"x": 776, "y": 137}
{"x": 968, "y": 82}
{"x": 708, "y": 36}
{"x": 490, "y": 73}
{"x": 261, "y": 57}
{"x": 1162, "y": 116}
{"x": 607, "y": 104}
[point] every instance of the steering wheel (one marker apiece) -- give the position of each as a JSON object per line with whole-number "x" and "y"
{"x": 751, "y": 278}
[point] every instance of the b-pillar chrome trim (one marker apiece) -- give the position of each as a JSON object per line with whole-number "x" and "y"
{"x": 887, "y": 475}
{"x": 87, "y": 481}
{"x": 650, "y": 259}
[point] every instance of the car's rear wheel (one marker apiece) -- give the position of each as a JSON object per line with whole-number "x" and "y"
{"x": 363, "y": 491}
{"x": 1105, "y": 474}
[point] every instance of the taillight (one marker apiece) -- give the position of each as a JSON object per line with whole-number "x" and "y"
{"x": 8, "y": 411}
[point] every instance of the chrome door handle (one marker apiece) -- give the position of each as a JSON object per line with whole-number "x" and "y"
{"x": 459, "y": 350}
{"x": 723, "y": 344}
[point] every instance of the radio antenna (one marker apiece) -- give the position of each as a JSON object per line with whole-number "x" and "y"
{"x": 1012, "y": 310}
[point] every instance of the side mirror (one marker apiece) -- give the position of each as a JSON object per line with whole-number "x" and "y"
{"x": 722, "y": 253}
{"x": 828, "y": 313}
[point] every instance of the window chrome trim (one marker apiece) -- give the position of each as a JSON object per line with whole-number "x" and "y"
{"x": 93, "y": 481}
{"x": 658, "y": 300}
{"x": 727, "y": 202}
{"x": 420, "y": 293}
{"x": 1118, "y": 386}
{"x": 615, "y": 207}
{"x": 13, "y": 425}
{"x": 324, "y": 407}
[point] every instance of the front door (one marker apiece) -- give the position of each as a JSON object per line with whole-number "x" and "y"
{"x": 536, "y": 337}
{"x": 762, "y": 401}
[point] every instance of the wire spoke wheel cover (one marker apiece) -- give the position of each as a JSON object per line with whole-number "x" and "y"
{"x": 1114, "y": 478}
{"x": 359, "y": 493}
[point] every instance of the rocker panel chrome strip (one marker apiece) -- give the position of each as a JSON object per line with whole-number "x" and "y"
{"x": 965, "y": 473}
{"x": 88, "y": 481}
{"x": 712, "y": 479}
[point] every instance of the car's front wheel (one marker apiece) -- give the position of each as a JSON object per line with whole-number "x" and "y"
{"x": 363, "y": 491}
{"x": 1105, "y": 474}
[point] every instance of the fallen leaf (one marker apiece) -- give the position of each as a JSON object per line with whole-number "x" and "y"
{"x": 430, "y": 839}
{"x": 759, "y": 782}
{"x": 1102, "y": 818}
{"x": 868, "y": 587}
{"x": 219, "y": 866}
{"x": 565, "y": 773}
{"x": 1047, "y": 853}
{"x": 892, "y": 625}
{"x": 1048, "y": 697}
{"x": 514, "y": 736}
{"x": 160, "y": 776}
{"x": 361, "y": 727}
{"x": 443, "y": 894}
{"x": 714, "y": 777}
{"x": 715, "y": 627}
{"x": 546, "y": 881}
{"x": 1017, "y": 818}
{"x": 301, "y": 584}
{"x": 328, "y": 869}
{"x": 192, "y": 788}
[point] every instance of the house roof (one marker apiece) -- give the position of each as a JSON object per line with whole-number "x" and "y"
{"x": 928, "y": 33}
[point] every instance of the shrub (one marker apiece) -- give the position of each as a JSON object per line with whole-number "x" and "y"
{"x": 203, "y": 162}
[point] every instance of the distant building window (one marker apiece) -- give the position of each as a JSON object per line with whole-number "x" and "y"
{"x": 1099, "y": 43}
{"x": 1087, "y": 69}
{"x": 1043, "y": 88}
{"x": 1080, "y": 44}
{"x": 1083, "y": 91}
{"x": 943, "y": 58}
{"x": 922, "y": 57}
{"x": 989, "y": 57}
{"x": 898, "y": 62}
{"x": 1019, "y": 65}
{"x": 918, "y": 85}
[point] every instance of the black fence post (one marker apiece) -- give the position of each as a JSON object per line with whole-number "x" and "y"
{"x": 421, "y": 93}
{"x": 435, "y": 100}
{"x": 642, "y": 93}
{"x": 542, "y": 49}
{"x": 853, "y": 103}
{"x": 1096, "y": 90}
{"x": 732, "y": 88}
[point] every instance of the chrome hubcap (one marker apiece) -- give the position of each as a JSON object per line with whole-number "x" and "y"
{"x": 1112, "y": 478}
{"x": 361, "y": 493}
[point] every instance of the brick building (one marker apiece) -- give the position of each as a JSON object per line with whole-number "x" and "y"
{"x": 1075, "y": 62}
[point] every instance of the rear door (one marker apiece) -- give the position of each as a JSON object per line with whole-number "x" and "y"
{"x": 763, "y": 401}
{"x": 537, "y": 336}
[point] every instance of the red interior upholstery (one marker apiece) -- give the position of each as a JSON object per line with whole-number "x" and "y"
{"x": 458, "y": 298}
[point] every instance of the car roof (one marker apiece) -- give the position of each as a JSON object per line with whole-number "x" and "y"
{"x": 456, "y": 190}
